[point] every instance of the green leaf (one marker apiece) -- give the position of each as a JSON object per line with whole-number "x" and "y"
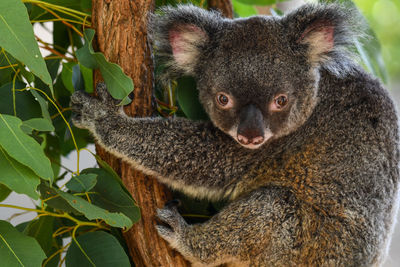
{"x": 257, "y": 2}
{"x": 118, "y": 84}
{"x": 25, "y": 105}
{"x": 18, "y": 38}
{"x": 66, "y": 75}
{"x": 87, "y": 78}
{"x": 96, "y": 249}
{"x": 111, "y": 171}
{"x": 4, "y": 191}
{"x": 23, "y": 148}
{"x": 93, "y": 212}
{"x": 74, "y": 204}
{"x": 44, "y": 106}
{"x": 82, "y": 183}
{"x": 22, "y": 226}
{"x": 243, "y": 10}
{"x": 42, "y": 230}
{"x": 55, "y": 200}
{"x": 27, "y": 74}
{"x": 17, "y": 177}
{"x": 188, "y": 98}
{"x": 110, "y": 195}
{"x": 60, "y": 36}
{"x": 38, "y": 124}
{"x": 17, "y": 249}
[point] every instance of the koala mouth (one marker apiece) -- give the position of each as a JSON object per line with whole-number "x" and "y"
{"x": 250, "y": 143}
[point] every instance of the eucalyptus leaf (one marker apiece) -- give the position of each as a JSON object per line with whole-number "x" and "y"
{"x": 17, "y": 177}
{"x": 42, "y": 230}
{"x": 188, "y": 98}
{"x": 96, "y": 249}
{"x": 118, "y": 83}
{"x": 82, "y": 182}
{"x": 111, "y": 171}
{"x": 25, "y": 105}
{"x": 23, "y": 148}
{"x": 27, "y": 75}
{"x": 66, "y": 75}
{"x": 110, "y": 195}
{"x": 43, "y": 105}
{"x": 18, "y": 38}
{"x": 55, "y": 200}
{"x": 17, "y": 249}
{"x": 4, "y": 191}
{"x": 77, "y": 78}
{"x": 38, "y": 124}
{"x": 87, "y": 75}
{"x": 92, "y": 212}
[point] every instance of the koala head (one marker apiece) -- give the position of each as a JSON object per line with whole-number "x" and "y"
{"x": 257, "y": 77}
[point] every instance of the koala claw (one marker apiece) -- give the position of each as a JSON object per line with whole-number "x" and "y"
{"x": 170, "y": 216}
{"x": 167, "y": 234}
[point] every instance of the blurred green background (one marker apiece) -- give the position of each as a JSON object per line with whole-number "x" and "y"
{"x": 384, "y": 18}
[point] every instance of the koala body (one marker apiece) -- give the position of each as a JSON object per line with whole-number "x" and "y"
{"x": 302, "y": 141}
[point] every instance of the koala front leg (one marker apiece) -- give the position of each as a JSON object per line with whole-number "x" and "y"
{"x": 257, "y": 230}
{"x": 193, "y": 157}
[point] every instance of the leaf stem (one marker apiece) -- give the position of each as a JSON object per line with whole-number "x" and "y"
{"x": 8, "y": 66}
{"x": 56, "y": 7}
{"x": 55, "y": 254}
{"x": 63, "y": 21}
{"x": 79, "y": 246}
{"x": 13, "y": 92}
{"x": 66, "y": 122}
{"x": 60, "y": 215}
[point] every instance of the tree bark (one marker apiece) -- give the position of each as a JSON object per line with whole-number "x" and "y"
{"x": 121, "y": 32}
{"x": 223, "y": 6}
{"x": 121, "y": 35}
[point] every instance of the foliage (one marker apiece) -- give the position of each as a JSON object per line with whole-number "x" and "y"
{"x": 384, "y": 18}
{"x": 35, "y": 132}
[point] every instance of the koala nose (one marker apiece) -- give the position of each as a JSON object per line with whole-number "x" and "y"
{"x": 251, "y": 126}
{"x": 246, "y": 139}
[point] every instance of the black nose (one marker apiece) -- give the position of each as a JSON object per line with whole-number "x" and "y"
{"x": 251, "y": 126}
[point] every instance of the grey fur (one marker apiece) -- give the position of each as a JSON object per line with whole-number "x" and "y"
{"x": 322, "y": 191}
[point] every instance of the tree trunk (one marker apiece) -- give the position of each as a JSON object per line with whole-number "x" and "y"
{"x": 121, "y": 35}
{"x": 223, "y": 6}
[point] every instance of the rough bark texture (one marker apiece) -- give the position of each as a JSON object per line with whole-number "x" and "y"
{"x": 223, "y": 6}
{"x": 121, "y": 34}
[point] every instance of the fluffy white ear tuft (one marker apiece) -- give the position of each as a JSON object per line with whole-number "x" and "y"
{"x": 320, "y": 38}
{"x": 186, "y": 42}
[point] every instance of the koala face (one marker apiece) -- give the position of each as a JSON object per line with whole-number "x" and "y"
{"x": 251, "y": 89}
{"x": 257, "y": 108}
{"x": 257, "y": 77}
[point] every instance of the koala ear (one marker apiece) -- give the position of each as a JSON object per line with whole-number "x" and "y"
{"x": 186, "y": 41}
{"x": 181, "y": 35}
{"x": 319, "y": 36}
{"x": 327, "y": 31}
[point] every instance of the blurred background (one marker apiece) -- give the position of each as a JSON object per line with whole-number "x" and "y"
{"x": 383, "y": 17}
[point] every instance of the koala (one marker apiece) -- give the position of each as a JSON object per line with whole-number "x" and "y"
{"x": 302, "y": 142}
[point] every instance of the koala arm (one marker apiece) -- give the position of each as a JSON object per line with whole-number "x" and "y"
{"x": 193, "y": 157}
{"x": 260, "y": 229}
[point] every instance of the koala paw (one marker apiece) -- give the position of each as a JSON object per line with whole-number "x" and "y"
{"x": 88, "y": 108}
{"x": 170, "y": 216}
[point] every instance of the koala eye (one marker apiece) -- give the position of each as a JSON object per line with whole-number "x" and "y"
{"x": 224, "y": 100}
{"x": 279, "y": 102}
